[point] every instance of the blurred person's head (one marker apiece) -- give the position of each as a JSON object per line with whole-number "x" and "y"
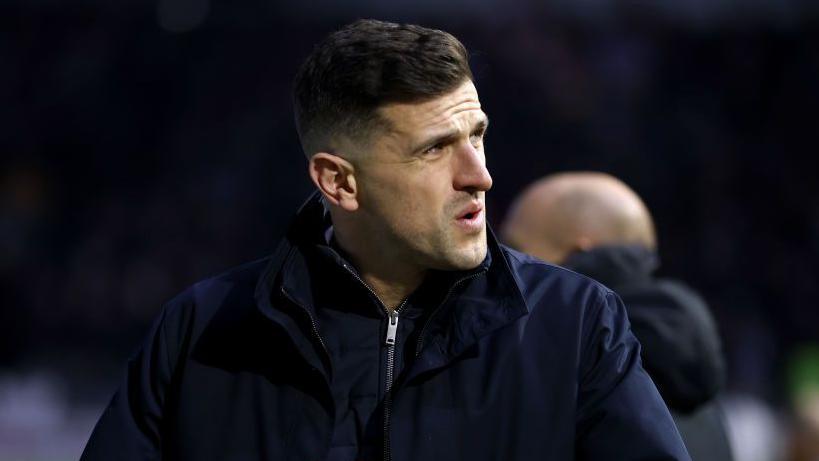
{"x": 391, "y": 123}
{"x": 570, "y": 212}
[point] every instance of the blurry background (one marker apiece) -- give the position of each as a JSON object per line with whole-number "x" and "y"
{"x": 149, "y": 144}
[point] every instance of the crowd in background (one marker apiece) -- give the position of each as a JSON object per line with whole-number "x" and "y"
{"x": 144, "y": 150}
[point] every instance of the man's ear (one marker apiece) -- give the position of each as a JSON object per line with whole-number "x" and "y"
{"x": 335, "y": 178}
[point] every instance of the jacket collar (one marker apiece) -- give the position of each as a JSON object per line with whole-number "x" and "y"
{"x": 480, "y": 304}
{"x": 480, "y": 301}
{"x": 286, "y": 280}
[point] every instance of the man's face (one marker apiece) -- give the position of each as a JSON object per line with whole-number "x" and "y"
{"x": 422, "y": 182}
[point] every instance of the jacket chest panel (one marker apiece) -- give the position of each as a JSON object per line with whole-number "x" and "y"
{"x": 249, "y": 416}
{"x": 496, "y": 401}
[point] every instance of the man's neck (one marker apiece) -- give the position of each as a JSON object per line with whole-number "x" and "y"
{"x": 392, "y": 293}
{"x": 390, "y": 279}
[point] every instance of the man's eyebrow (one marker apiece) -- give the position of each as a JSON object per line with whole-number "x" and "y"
{"x": 440, "y": 138}
{"x": 483, "y": 123}
{"x": 447, "y": 136}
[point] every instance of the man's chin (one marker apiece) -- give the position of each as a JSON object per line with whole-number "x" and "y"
{"x": 468, "y": 258}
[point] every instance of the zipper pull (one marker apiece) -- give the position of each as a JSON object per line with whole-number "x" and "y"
{"x": 392, "y": 328}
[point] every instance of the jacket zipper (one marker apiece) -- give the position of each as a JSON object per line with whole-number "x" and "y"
{"x": 389, "y": 341}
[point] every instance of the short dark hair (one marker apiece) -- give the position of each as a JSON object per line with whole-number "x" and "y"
{"x": 368, "y": 64}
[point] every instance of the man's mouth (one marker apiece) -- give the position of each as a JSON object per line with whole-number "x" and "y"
{"x": 470, "y": 219}
{"x": 471, "y": 210}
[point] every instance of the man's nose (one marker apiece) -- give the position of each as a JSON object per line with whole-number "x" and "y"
{"x": 470, "y": 170}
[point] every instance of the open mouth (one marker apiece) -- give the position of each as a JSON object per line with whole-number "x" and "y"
{"x": 471, "y": 218}
{"x": 471, "y": 211}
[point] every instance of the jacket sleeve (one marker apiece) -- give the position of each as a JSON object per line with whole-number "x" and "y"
{"x": 620, "y": 413}
{"x": 129, "y": 428}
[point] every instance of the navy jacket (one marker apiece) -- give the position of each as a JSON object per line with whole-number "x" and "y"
{"x": 520, "y": 361}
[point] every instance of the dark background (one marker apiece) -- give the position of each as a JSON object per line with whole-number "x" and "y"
{"x": 147, "y": 145}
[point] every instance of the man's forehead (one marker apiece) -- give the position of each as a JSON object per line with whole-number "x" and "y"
{"x": 460, "y": 104}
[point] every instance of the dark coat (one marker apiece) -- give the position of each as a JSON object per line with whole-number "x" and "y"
{"x": 681, "y": 347}
{"x": 521, "y": 361}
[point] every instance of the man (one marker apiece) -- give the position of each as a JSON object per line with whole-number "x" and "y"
{"x": 390, "y": 324}
{"x": 596, "y": 225}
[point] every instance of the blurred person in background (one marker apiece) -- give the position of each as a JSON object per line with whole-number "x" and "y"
{"x": 390, "y": 324}
{"x": 596, "y": 225}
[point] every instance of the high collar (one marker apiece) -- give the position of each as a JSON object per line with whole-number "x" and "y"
{"x": 615, "y": 265}
{"x": 316, "y": 257}
{"x": 488, "y": 296}
{"x": 481, "y": 304}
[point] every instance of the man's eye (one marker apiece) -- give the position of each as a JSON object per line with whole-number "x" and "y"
{"x": 434, "y": 149}
{"x": 477, "y": 138}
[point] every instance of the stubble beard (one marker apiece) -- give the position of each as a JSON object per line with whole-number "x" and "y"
{"x": 446, "y": 248}
{"x": 464, "y": 253}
